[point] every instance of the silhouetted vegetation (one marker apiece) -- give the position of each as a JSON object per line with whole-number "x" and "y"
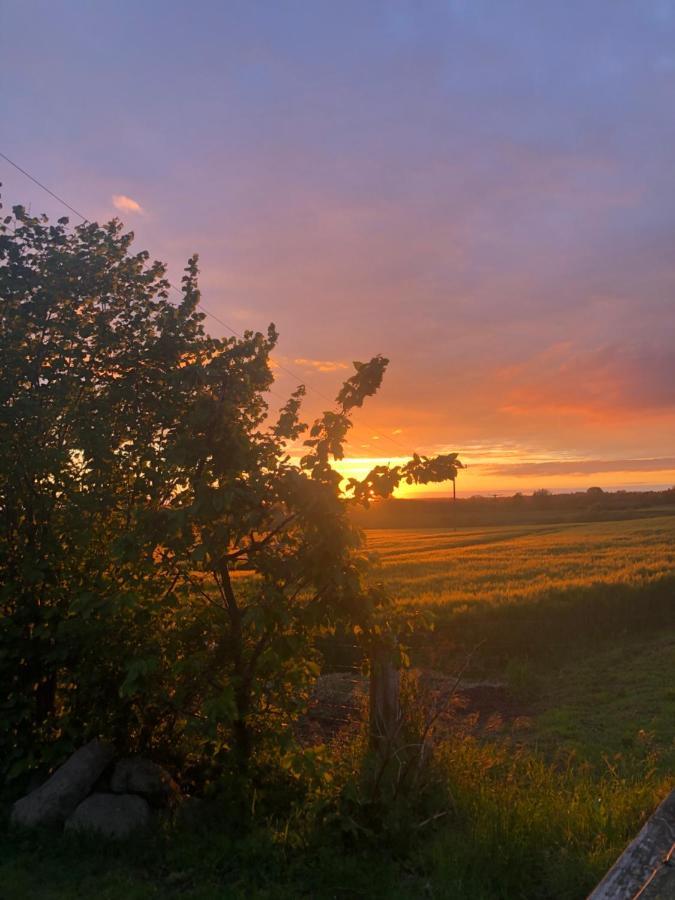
{"x": 594, "y": 505}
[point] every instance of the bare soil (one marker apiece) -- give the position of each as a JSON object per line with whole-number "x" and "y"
{"x": 339, "y": 707}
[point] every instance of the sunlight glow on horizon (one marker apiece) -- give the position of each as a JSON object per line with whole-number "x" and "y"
{"x": 477, "y": 478}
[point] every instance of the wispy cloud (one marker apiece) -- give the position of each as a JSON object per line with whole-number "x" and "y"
{"x": 126, "y": 204}
{"x": 583, "y": 466}
{"x": 321, "y": 365}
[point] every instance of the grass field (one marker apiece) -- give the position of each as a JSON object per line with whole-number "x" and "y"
{"x": 576, "y": 617}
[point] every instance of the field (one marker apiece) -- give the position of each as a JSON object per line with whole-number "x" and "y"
{"x": 575, "y": 618}
{"x": 520, "y": 563}
{"x": 575, "y": 622}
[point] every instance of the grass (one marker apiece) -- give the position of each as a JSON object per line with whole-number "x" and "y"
{"x": 513, "y": 826}
{"x": 574, "y": 616}
{"x": 618, "y": 701}
{"x": 202, "y": 866}
{"x": 535, "y": 829}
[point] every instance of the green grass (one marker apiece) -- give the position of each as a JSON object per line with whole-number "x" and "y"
{"x": 581, "y": 614}
{"x": 620, "y": 700}
{"x": 511, "y": 825}
{"x": 535, "y": 829}
{"x": 202, "y": 866}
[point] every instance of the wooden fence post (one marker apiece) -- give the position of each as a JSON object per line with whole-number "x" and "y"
{"x": 385, "y": 705}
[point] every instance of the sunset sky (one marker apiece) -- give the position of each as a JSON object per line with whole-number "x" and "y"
{"x": 482, "y": 191}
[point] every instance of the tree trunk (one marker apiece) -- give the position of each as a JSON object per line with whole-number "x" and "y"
{"x": 242, "y": 744}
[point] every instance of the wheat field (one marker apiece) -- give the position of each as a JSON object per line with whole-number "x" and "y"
{"x": 517, "y": 563}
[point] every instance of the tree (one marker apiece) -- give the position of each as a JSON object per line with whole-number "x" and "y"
{"x": 92, "y": 385}
{"x": 167, "y": 563}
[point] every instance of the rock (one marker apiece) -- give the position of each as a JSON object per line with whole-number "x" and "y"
{"x": 57, "y": 798}
{"x": 136, "y": 775}
{"x": 102, "y": 784}
{"x": 111, "y": 815}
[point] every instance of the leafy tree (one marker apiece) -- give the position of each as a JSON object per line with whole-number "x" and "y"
{"x": 166, "y": 562}
{"x": 93, "y": 382}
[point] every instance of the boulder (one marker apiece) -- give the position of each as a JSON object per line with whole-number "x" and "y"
{"x": 110, "y": 815}
{"x": 57, "y": 798}
{"x": 136, "y": 775}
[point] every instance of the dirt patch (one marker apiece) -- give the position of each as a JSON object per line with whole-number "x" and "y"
{"x": 477, "y": 707}
{"x": 339, "y": 707}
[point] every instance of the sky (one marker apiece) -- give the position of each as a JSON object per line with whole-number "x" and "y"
{"x": 480, "y": 190}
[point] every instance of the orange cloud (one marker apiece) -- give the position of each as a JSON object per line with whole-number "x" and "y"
{"x": 583, "y": 466}
{"x": 126, "y": 204}
{"x": 321, "y": 365}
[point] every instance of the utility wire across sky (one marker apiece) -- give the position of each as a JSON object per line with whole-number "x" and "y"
{"x": 233, "y": 331}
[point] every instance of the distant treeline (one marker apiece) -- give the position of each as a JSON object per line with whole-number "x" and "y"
{"x": 541, "y": 507}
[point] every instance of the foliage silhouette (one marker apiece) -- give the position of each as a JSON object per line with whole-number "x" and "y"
{"x": 167, "y": 563}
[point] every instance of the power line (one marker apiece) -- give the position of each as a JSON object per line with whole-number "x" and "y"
{"x": 44, "y": 187}
{"x": 215, "y": 318}
{"x": 86, "y": 221}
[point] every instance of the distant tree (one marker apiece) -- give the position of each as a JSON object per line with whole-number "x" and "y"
{"x": 542, "y": 497}
{"x": 595, "y": 492}
{"x": 166, "y": 564}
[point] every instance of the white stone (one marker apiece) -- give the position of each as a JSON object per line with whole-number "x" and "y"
{"x": 55, "y": 800}
{"x": 110, "y": 815}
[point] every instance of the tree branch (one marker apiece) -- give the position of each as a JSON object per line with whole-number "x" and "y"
{"x": 256, "y": 545}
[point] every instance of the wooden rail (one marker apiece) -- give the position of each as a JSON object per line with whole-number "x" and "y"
{"x": 644, "y": 870}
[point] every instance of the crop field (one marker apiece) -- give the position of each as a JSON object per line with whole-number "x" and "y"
{"x": 508, "y": 564}
{"x": 576, "y": 618}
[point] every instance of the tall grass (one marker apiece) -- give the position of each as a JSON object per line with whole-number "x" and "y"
{"x": 527, "y": 828}
{"x": 513, "y": 827}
